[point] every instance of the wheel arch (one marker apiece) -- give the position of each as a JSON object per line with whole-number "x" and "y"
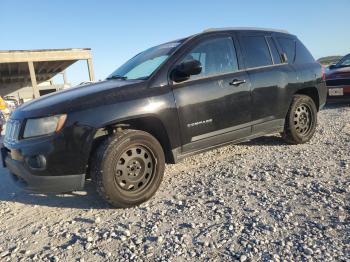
{"x": 149, "y": 123}
{"x": 311, "y": 92}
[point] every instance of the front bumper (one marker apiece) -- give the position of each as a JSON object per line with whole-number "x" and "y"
{"x": 36, "y": 183}
{"x": 343, "y": 97}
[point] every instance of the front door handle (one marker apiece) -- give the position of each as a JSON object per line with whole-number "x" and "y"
{"x": 237, "y": 82}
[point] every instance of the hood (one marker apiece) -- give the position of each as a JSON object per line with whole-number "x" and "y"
{"x": 79, "y": 98}
{"x": 340, "y": 72}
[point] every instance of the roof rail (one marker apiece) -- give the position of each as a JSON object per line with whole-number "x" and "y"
{"x": 245, "y": 28}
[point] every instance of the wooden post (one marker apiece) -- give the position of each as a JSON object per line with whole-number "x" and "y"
{"x": 33, "y": 79}
{"x": 91, "y": 70}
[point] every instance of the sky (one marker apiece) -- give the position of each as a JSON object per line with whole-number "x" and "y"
{"x": 117, "y": 30}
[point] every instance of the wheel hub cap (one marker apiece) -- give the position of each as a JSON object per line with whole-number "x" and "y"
{"x": 302, "y": 119}
{"x": 134, "y": 169}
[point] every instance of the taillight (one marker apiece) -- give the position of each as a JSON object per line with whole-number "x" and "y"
{"x": 323, "y": 73}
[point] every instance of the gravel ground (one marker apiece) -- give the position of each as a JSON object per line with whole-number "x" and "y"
{"x": 258, "y": 201}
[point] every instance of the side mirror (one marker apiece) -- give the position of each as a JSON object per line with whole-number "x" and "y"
{"x": 183, "y": 71}
{"x": 284, "y": 58}
{"x": 332, "y": 66}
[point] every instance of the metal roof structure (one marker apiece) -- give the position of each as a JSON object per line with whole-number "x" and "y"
{"x": 33, "y": 67}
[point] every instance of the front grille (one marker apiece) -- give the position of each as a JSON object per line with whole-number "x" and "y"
{"x": 338, "y": 82}
{"x": 12, "y": 131}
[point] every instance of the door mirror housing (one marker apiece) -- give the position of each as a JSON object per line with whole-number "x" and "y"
{"x": 185, "y": 70}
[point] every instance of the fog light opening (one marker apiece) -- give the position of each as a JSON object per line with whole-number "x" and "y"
{"x": 36, "y": 162}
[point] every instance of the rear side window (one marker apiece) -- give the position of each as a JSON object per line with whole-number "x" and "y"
{"x": 288, "y": 47}
{"x": 217, "y": 56}
{"x": 256, "y": 51}
{"x": 303, "y": 55}
{"x": 273, "y": 49}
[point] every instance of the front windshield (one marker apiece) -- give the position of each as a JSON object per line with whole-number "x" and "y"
{"x": 145, "y": 63}
{"x": 345, "y": 61}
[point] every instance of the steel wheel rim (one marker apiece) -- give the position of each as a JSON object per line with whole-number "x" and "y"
{"x": 134, "y": 169}
{"x": 303, "y": 119}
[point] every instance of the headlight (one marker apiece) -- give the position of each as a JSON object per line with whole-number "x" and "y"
{"x": 44, "y": 126}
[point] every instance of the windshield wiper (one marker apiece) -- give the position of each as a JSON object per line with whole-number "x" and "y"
{"x": 117, "y": 77}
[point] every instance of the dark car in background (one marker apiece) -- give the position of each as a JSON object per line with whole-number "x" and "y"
{"x": 338, "y": 80}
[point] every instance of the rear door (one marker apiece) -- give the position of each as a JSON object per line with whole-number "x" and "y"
{"x": 270, "y": 80}
{"x": 217, "y": 102}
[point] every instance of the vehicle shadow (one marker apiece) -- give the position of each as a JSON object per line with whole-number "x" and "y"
{"x": 277, "y": 140}
{"x": 87, "y": 199}
{"x": 273, "y": 140}
{"x": 336, "y": 104}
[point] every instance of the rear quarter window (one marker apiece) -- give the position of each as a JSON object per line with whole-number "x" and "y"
{"x": 288, "y": 47}
{"x": 303, "y": 56}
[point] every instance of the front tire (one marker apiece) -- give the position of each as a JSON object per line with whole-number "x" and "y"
{"x": 301, "y": 120}
{"x": 128, "y": 168}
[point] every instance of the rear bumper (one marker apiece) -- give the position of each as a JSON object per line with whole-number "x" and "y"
{"x": 45, "y": 184}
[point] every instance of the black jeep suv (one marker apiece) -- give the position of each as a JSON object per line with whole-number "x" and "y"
{"x": 169, "y": 102}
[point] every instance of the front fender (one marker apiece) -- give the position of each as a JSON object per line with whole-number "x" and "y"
{"x": 161, "y": 107}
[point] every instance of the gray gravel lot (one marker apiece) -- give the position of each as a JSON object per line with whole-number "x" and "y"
{"x": 258, "y": 201}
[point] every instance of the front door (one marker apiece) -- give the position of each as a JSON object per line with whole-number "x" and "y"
{"x": 213, "y": 105}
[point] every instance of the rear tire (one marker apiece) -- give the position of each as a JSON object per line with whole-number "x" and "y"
{"x": 128, "y": 168}
{"x": 301, "y": 120}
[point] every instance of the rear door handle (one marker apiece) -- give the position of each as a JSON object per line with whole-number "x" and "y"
{"x": 237, "y": 82}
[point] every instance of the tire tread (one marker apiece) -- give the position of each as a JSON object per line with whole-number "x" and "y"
{"x": 97, "y": 163}
{"x": 287, "y": 134}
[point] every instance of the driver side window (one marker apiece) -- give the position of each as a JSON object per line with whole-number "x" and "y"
{"x": 217, "y": 56}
